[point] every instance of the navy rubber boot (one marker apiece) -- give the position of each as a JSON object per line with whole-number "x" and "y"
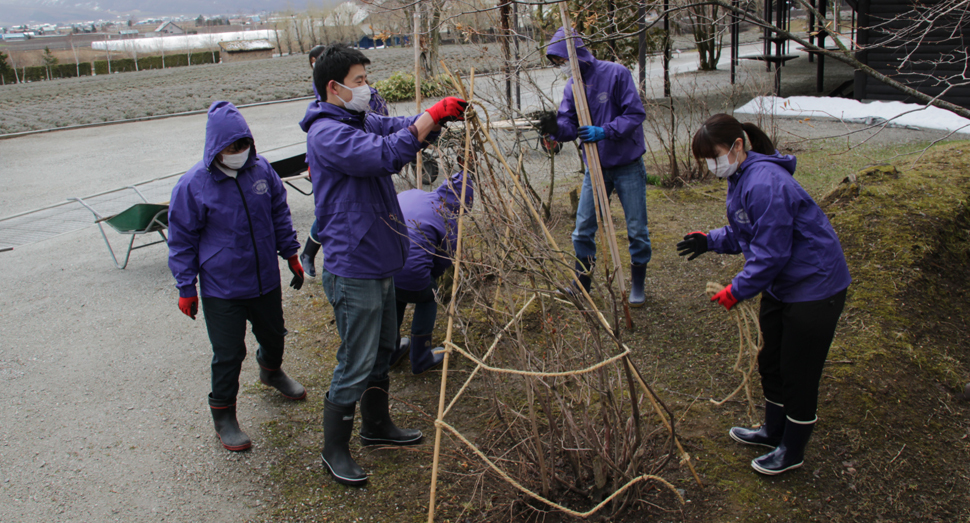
{"x": 308, "y": 256}
{"x": 423, "y": 357}
{"x": 638, "y": 273}
{"x": 790, "y": 453}
{"x": 769, "y": 434}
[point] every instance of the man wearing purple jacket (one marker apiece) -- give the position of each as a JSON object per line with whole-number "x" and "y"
{"x": 227, "y": 221}
{"x": 312, "y": 246}
{"x": 352, "y": 155}
{"x": 618, "y": 115}
{"x": 432, "y": 222}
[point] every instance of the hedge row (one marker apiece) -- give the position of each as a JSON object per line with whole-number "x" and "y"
{"x": 124, "y": 65}
{"x": 121, "y": 65}
{"x": 37, "y": 73}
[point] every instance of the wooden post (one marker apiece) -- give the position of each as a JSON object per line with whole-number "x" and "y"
{"x": 418, "y": 178}
{"x": 600, "y": 196}
{"x": 451, "y": 305}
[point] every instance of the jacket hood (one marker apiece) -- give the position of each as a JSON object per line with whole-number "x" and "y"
{"x": 450, "y": 192}
{"x": 318, "y": 109}
{"x": 224, "y": 126}
{"x": 786, "y": 161}
{"x": 559, "y": 47}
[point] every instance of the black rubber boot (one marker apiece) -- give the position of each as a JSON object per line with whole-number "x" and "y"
{"x": 790, "y": 453}
{"x": 403, "y": 348}
{"x": 338, "y": 424}
{"x": 310, "y": 251}
{"x": 638, "y": 273}
{"x": 227, "y": 428}
{"x": 376, "y": 427}
{"x": 288, "y": 387}
{"x": 422, "y": 356}
{"x": 769, "y": 434}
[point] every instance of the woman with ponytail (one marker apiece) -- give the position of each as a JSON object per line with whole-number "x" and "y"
{"x": 794, "y": 260}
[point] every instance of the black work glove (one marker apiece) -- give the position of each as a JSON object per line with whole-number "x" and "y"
{"x": 548, "y": 124}
{"x": 694, "y": 244}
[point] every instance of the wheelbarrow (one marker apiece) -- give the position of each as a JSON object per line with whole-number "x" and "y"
{"x": 140, "y": 218}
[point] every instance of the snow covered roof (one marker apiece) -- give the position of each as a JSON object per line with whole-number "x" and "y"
{"x": 246, "y": 45}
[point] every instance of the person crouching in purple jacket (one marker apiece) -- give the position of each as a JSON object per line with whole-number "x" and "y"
{"x": 793, "y": 258}
{"x": 353, "y": 154}
{"x": 312, "y": 246}
{"x": 227, "y": 221}
{"x": 432, "y": 222}
{"x": 618, "y": 115}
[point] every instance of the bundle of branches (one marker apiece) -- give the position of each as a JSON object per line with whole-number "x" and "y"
{"x": 572, "y": 425}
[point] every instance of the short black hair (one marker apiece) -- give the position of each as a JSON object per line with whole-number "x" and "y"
{"x": 335, "y": 64}
{"x": 316, "y": 52}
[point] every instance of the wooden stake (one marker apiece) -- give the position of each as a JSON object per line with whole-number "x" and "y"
{"x": 600, "y": 196}
{"x": 451, "y": 308}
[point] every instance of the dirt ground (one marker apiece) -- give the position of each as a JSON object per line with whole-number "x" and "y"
{"x": 104, "y": 382}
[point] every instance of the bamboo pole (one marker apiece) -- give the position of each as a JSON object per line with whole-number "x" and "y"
{"x": 451, "y": 309}
{"x": 600, "y": 195}
{"x": 418, "y": 179}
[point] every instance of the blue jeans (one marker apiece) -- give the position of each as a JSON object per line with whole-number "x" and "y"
{"x": 366, "y": 316}
{"x": 630, "y": 183}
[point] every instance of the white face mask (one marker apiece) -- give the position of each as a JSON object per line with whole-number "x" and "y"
{"x": 360, "y": 98}
{"x": 721, "y": 166}
{"x": 235, "y": 161}
{"x": 566, "y": 70}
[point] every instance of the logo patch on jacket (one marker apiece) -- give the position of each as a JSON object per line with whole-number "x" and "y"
{"x": 260, "y": 187}
{"x": 741, "y": 217}
{"x": 603, "y": 97}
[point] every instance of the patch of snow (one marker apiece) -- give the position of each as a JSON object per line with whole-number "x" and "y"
{"x": 898, "y": 114}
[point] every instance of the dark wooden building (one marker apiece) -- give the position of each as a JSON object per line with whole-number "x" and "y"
{"x": 897, "y": 42}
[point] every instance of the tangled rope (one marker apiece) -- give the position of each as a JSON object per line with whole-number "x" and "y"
{"x": 750, "y": 343}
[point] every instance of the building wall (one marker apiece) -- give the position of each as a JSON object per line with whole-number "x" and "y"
{"x": 876, "y": 25}
{"x": 245, "y": 56}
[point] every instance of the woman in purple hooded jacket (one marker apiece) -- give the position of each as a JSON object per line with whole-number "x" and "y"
{"x": 227, "y": 221}
{"x": 793, "y": 258}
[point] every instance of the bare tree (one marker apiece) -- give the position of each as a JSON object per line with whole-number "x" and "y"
{"x": 77, "y": 62}
{"x": 708, "y": 30}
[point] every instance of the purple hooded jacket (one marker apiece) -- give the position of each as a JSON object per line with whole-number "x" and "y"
{"x": 227, "y": 232}
{"x": 352, "y": 157}
{"x": 790, "y": 248}
{"x": 432, "y": 221}
{"x": 614, "y": 105}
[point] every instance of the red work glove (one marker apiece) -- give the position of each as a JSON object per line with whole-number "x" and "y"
{"x": 448, "y": 110}
{"x": 297, "y": 271}
{"x": 724, "y": 297}
{"x": 189, "y": 306}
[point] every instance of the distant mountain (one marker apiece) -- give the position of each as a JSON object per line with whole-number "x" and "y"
{"x": 16, "y": 12}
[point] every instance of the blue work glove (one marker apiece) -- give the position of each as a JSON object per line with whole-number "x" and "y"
{"x": 591, "y": 133}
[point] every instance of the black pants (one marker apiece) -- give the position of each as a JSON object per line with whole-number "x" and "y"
{"x": 226, "y": 322}
{"x": 797, "y": 338}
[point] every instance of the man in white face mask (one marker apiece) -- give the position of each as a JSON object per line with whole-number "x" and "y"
{"x": 352, "y": 154}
